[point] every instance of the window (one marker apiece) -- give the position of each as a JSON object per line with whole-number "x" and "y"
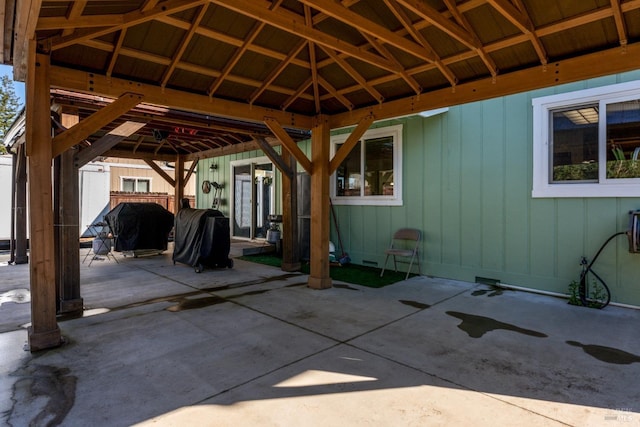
{"x": 135, "y": 185}
{"x": 372, "y": 172}
{"x": 587, "y": 143}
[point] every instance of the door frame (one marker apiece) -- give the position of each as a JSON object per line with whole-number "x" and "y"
{"x": 232, "y": 212}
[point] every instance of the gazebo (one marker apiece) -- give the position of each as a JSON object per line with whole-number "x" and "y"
{"x": 182, "y": 80}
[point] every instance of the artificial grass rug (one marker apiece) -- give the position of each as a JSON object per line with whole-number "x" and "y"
{"x": 351, "y": 273}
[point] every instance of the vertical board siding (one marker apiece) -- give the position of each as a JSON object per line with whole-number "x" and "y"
{"x": 467, "y": 179}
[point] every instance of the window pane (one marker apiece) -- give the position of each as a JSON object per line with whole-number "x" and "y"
{"x": 128, "y": 185}
{"x": 575, "y": 144}
{"x": 143, "y": 186}
{"x": 379, "y": 167}
{"x": 349, "y": 173}
{"x": 623, "y": 139}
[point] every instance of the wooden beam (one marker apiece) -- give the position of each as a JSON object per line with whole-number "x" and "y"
{"x": 66, "y": 203}
{"x": 95, "y": 122}
{"x": 319, "y": 277}
{"x": 161, "y": 172}
{"x": 177, "y": 56}
{"x": 560, "y": 72}
{"x": 406, "y": 22}
{"x": 43, "y": 332}
{"x": 26, "y": 19}
{"x": 350, "y": 143}
{"x": 620, "y": 24}
{"x": 179, "y": 184}
{"x": 362, "y": 82}
{"x": 106, "y": 142}
{"x": 290, "y": 246}
{"x": 140, "y": 155}
{"x": 366, "y": 26}
{"x": 192, "y": 168}
{"x": 288, "y": 143}
{"x": 21, "y": 212}
{"x": 428, "y": 13}
{"x": 112, "y": 87}
{"x": 519, "y": 18}
{"x": 291, "y": 23}
{"x": 128, "y": 20}
{"x": 230, "y": 149}
{"x": 282, "y": 166}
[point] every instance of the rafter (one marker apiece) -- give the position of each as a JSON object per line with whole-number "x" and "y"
{"x": 362, "y": 82}
{"x": 258, "y": 26}
{"x": 177, "y": 56}
{"x": 277, "y": 71}
{"x": 431, "y": 15}
{"x": 312, "y": 60}
{"x": 116, "y": 51}
{"x": 480, "y": 50}
{"x": 619, "y": 19}
{"x": 333, "y": 92}
{"x": 303, "y": 87}
{"x": 74, "y": 11}
{"x": 128, "y": 20}
{"x": 413, "y": 84}
{"x": 520, "y": 18}
{"x": 292, "y": 23}
{"x": 404, "y": 19}
{"x": 343, "y": 14}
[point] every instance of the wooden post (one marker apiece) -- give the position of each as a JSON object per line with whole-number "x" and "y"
{"x": 320, "y": 140}
{"x": 21, "y": 256}
{"x": 179, "y": 184}
{"x": 290, "y": 247}
{"x": 43, "y": 332}
{"x": 67, "y": 227}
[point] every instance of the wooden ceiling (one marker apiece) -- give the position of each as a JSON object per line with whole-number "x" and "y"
{"x": 291, "y": 60}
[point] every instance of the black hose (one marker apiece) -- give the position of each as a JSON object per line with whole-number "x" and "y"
{"x": 582, "y": 290}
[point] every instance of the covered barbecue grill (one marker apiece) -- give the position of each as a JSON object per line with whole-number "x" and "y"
{"x": 202, "y": 239}
{"x": 140, "y": 226}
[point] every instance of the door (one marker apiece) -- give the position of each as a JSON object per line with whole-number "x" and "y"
{"x": 253, "y": 194}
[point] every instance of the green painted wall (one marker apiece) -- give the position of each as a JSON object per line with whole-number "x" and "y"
{"x": 467, "y": 182}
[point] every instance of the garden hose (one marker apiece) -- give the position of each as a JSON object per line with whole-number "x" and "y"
{"x": 586, "y": 268}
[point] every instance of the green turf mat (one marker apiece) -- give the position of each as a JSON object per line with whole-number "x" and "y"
{"x": 351, "y": 273}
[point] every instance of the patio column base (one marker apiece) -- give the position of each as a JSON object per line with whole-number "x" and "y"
{"x": 290, "y": 266}
{"x": 319, "y": 282}
{"x": 71, "y": 306}
{"x": 44, "y": 340}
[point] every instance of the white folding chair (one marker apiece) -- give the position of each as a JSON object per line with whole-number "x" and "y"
{"x": 405, "y": 244}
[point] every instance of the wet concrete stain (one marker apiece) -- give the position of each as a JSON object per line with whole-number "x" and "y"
{"x": 49, "y": 389}
{"x": 184, "y": 304}
{"x": 493, "y": 292}
{"x": 341, "y": 286}
{"x": 19, "y": 296}
{"x": 477, "y": 326}
{"x": 415, "y": 304}
{"x": 607, "y": 354}
{"x": 256, "y": 292}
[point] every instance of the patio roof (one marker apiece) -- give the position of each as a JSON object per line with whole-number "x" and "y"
{"x": 291, "y": 60}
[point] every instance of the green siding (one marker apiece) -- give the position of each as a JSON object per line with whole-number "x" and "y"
{"x": 467, "y": 178}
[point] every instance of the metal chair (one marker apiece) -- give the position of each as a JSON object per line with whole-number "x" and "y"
{"x": 404, "y": 243}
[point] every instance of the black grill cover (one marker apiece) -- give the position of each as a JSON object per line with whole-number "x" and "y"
{"x": 201, "y": 237}
{"x": 137, "y": 226}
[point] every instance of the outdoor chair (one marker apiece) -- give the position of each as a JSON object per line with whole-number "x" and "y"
{"x": 404, "y": 244}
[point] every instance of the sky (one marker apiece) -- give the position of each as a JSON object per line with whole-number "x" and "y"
{"x": 17, "y": 86}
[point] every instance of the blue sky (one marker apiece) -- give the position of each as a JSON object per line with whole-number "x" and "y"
{"x": 18, "y": 86}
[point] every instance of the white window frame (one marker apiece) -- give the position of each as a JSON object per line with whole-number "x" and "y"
{"x": 136, "y": 179}
{"x": 394, "y": 131}
{"x": 542, "y": 108}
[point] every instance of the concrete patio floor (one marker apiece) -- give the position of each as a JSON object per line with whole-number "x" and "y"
{"x": 161, "y": 345}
